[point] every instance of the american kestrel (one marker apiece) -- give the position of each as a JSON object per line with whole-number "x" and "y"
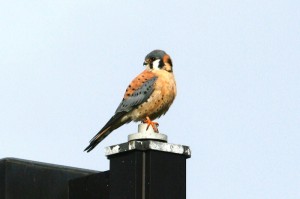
{"x": 147, "y": 97}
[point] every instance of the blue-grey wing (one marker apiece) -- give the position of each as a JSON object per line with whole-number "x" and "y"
{"x": 138, "y": 97}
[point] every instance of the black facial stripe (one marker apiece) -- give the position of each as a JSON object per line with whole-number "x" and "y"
{"x": 151, "y": 65}
{"x": 170, "y": 62}
{"x": 160, "y": 64}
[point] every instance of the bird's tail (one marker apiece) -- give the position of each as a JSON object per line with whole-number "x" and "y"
{"x": 98, "y": 138}
{"x": 112, "y": 124}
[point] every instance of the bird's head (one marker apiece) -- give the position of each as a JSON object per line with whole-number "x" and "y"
{"x": 158, "y": 60}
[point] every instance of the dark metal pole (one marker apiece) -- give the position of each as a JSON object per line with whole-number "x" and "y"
{"x": 148, "y": 168}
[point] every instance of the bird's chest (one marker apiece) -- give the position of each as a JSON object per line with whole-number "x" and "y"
{"x": 159, "y": 101}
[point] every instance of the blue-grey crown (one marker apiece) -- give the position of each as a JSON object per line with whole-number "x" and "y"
{"x": 156, "y": 54}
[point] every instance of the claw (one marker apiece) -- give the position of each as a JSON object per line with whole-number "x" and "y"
{"x": 153, "y": 124}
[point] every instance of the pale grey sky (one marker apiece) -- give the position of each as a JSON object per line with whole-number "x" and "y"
{"x": 64, "y": 66}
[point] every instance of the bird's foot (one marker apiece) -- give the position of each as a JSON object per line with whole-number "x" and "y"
{"x": 153, "y": 124}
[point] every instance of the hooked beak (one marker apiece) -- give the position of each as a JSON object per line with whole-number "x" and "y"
{"x": 146, "y": 62}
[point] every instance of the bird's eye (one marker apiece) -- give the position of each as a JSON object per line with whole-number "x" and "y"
{"x": 152, "y": 58}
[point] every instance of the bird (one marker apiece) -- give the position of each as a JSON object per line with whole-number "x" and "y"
{"x": 147, "y": 97}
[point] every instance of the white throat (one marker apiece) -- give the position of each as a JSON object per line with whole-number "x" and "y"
{"x": 155, "y": 64}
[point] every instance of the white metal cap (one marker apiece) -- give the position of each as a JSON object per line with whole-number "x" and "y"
{"x": 147, "y": 134}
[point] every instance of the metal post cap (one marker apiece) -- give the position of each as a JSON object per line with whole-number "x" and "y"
{"x": 147, "y": 134}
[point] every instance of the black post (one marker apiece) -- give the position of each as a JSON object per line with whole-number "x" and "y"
{"x": 148, "y": 169}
